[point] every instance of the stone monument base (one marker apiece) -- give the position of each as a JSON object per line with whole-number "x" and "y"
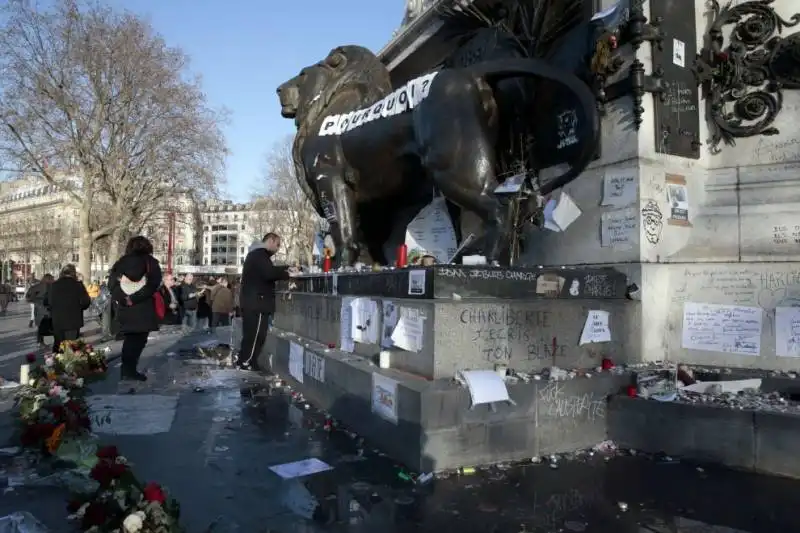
{"x": 429, "y": 425}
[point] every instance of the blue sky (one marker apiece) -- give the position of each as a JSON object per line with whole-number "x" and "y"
{"x": 244, "y": 49}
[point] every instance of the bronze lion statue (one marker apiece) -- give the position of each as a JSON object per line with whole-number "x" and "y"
{"x": 365, "y": 151}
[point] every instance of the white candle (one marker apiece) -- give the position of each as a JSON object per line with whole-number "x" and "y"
{"x": 385, "y": 359}
{"x": 24, "y": 374}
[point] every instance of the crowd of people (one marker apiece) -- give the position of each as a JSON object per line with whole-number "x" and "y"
{"x": 137, "y": 298}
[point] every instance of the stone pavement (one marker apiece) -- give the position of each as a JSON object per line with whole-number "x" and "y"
{"x": 210, "y": 435}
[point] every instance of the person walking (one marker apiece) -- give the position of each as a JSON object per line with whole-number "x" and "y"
{"x": 40, "y": 315}
{"x": 6, "y": 293}
{"x": 171, "y": 300}
{"x": 189, "y": 299}
{"x": 67, "y": 299}
{"x": 221, "y": 304}
{"x": 257, "y": 297}
{"x": 134, "y": 281}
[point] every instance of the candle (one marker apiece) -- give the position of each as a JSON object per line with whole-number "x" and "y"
{"x": 24, "y": 374}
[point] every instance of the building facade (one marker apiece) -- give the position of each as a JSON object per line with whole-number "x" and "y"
{"x": 39, "y": 233}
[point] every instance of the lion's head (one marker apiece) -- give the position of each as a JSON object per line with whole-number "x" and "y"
{"x": 305, "y": 97}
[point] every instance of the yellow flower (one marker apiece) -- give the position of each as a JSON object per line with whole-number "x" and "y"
{"x": 54, "y": 440}
{"x": 51, "y": 375}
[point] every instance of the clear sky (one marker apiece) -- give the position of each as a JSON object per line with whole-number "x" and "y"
{"x": 244, "y": 49}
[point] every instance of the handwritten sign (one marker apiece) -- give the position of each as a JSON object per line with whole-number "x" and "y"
{"x": 787, "y": 331}
{"x": 722, "y": 328}
{"x": 596, "y": 329}
{"x": 620, "y": 187}
{"x": 365, "y": 320}
{"x": 410, "y": 330}
{"x": 384, "y": 397}
{"x": 346, "y": 342}
{"x": 431, "y": 233}
{"x": 619, "y": 228}
{"x": 296, "y": 361}
{"x": 314, "y": 366}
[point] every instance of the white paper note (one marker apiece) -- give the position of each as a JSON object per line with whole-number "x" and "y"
{"x": 566, "y": 212}
{"x": 431, "y": 233}
{"x": 596, "y": 328}
{"x": 346, "y": 343}
{"x": 722, "y": 328}
{"x": 620, "y": 187}
{"x": 389, "y": 323}
{"x": 416, "y": 282}
{"x": 365, "y": 320}
{"x": 549, "y": 207}
{"x": 678, "y": 53}
{"x": 384, "y": 397}
{"x": 619, "y": 228}
{"x": 485, "y": 386}
{"x": 296, "y": 361}
{"x": 410, "y": 331}
{"x": 303, "y": 468}
{"x": 787, "y": 331}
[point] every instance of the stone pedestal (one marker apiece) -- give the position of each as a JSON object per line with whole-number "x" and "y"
{"x": 740, "y": 245}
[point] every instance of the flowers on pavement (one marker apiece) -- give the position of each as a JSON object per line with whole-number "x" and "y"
{"x": 54, "y": 420}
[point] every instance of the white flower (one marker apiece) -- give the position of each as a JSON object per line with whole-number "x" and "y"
{"x": 121, "y": 460}
{"x": 79, "y": 382}
{"x": 133, "y": 523}
{"x": 31, "y": 382}
{"x": 82, "y": 511}
{"x": 49, "y": 361}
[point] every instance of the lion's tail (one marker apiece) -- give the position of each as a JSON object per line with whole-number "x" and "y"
{"x": 588, "y": 117}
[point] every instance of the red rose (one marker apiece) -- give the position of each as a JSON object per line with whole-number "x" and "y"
{"x": 117, "y": 469}
{"x": 154, "y": 493}
{"x": 31, "y": 357}
{"x": 102, "y": 474}
{"x": 107, "y": 452}
{"x": 95, "y": 516}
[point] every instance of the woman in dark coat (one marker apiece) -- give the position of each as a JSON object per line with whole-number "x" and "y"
{"x": 134, "y": 280}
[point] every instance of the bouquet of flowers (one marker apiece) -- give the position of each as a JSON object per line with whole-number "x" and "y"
{"x": 121, "y": 504}
{"x": 81, "y": 359}
{"x": 48, "y": 409}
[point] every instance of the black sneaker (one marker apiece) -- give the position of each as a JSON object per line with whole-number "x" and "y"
{"x": 135, "y": 376}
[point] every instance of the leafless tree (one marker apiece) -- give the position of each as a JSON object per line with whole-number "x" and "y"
{"x": 281, "y": 205}
{"x": 44, "y": 240}
{"x": 96, "y": 103}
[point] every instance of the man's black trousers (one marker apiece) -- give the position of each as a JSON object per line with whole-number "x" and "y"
{"x": 254, "y": 333}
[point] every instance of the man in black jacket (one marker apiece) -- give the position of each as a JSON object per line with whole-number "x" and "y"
{"x": 257, "y": 297}
{"x": 67, "y": 299}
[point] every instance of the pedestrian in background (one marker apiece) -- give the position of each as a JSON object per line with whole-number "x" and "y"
{"x": 204, "y": 306}
{"x": 67, "y": 299}
{"x": 189, "y": 296}
{"x": 35, "y": 296}
{"x": 221, "y": 304}
{"x": 257, "y": 297}
{"x": 168, "y": 292}
{"x": 5, "y": 296}
{"x": 34, "y": 282}
{"x": 135, "y": 279}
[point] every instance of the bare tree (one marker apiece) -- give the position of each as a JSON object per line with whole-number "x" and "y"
{"x": 281, "y": 205}
{"x": 96, "y": 103}
{"x": 44, "y": 240}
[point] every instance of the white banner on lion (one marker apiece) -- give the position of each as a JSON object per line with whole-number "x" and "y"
{"x": 431, "y": 233}
{"x": 399, "y": 101}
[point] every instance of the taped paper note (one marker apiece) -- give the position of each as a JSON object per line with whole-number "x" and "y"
{"x": 722, "y": 328}
{"x": 596, "y": 328}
